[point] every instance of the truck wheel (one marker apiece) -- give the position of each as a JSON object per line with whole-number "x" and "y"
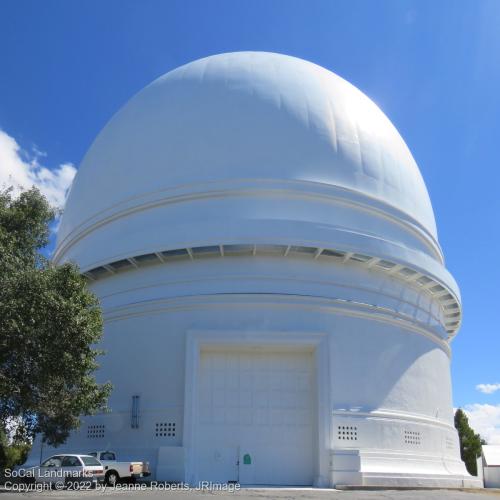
{"x": 112, "y": 478}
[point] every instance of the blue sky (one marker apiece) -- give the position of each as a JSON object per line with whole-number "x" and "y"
{"x": 432, "y": 66}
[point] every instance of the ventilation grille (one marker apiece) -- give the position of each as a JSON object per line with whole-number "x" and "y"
{"x": 412, "y": 437}
{"x": 95, "y": 431}
{"x": 165, "y": 429}
{"x": 347, "y": 432}
{"x": 450, "y": 444}
{"x": 134, "y": 416}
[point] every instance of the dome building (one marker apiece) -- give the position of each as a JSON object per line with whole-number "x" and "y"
{"x": 276, "y": 305}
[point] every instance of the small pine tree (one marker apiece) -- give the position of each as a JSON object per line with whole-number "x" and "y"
{"x": 470, "y": 442}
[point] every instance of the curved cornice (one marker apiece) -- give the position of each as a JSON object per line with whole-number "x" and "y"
{"x": 250, "y": 187}
{"x": 405, "y": 265}
{"x": 279, "y": 281}
{"x": 274, "y": 300}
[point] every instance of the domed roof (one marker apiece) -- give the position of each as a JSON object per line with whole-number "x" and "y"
{"x": 248, "y": 116}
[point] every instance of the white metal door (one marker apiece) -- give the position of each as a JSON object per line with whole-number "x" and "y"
{"x": 256, "y": 417}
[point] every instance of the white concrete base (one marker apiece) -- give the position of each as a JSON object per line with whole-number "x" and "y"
{"x": 395, "y": 470}
{"x": 170, "y": 464}
{"x": 415, "y": 481}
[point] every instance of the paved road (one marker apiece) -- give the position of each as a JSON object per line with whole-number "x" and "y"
{"x": 256, "y": 494}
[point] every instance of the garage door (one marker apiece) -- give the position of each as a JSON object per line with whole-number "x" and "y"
{"x": 256, "y": 417}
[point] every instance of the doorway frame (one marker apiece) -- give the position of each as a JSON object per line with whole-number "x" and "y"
{"x": 198, "y": 339}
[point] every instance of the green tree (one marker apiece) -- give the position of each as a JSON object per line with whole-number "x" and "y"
{"x": 49, "y": 324}
{"x": 470, "y": 442}
{"x": 13, "y": 453}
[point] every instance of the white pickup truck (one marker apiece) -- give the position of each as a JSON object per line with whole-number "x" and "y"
{"x": 117, "y": 471}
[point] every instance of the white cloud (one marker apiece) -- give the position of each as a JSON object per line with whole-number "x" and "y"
{"x": 485, "y": 419}
{"x": 488, "y": 388}
{"x": 23, "y": 170}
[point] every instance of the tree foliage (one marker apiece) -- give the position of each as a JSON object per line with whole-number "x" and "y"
{"x": 470, "y": 442}
{"x": 49, "y": 323}
{"x": 14, "y": 453}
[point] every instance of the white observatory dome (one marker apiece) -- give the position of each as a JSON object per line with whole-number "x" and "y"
{"x": 275, "y": 301}
{"x": 243, "y": 116}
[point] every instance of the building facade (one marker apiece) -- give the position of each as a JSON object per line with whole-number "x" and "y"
{"x": 276, "y": 305}
{"x": 488, "y": 466}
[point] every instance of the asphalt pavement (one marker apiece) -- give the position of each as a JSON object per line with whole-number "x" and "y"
{"x": 153, "y": 492}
